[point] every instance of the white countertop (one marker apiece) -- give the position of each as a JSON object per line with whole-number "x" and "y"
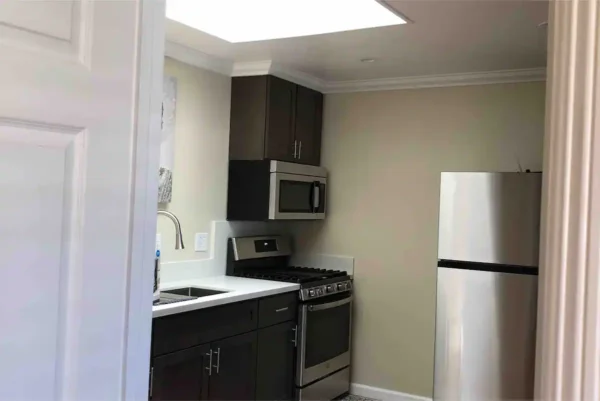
{"x": 238, "y": 289}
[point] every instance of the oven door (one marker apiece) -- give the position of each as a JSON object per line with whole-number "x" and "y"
{"x": 325, "y": 338}
{"x": 297, "y": 197}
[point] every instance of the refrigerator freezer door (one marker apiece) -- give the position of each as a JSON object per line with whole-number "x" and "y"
{"x": 485, "y": 336}
{"x": 490, "y": 217}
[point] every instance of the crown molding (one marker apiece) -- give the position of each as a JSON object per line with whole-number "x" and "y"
{"x": 243, "y": 69}
{"x": 298, "y": 77}
{"x": 199, "y": 59}
{"x": 437, "y": 81}
{"x": 191, "y": 56}
{"x": 246, "y": 69}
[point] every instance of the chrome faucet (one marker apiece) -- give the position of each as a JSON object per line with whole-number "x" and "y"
{"x": 178, "y": 235}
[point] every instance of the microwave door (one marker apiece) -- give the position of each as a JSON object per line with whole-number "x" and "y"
{"x": 293, "y": 197}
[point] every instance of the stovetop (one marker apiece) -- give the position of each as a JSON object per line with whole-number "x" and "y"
{"x": 292, "y": 274}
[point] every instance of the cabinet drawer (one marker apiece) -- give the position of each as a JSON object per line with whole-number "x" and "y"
{"x": 277, "y": 309}
{"x": 184, "y": 330}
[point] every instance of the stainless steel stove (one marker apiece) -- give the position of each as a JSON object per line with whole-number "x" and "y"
{"x": 324, "y": 313}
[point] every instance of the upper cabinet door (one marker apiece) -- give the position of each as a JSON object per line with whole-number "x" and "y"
{"x": 275, "y": 119}
{"x": 308, "y": 122}
{"x": 181, "y": 376}
{"x": 281, "y": 99}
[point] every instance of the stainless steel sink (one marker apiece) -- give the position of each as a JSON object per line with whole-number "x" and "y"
{"x": 184, "y": 294}
{"x": 193, "y": 292}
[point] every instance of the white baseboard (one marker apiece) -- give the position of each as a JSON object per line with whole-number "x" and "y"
{"x": 383, "y": 394}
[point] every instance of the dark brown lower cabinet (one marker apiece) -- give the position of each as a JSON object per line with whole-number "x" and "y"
{"x": 275, "y": 364}
{"x": 233, "y": 374}
{"x": 223, "y": 353}
{"x": 181, "y": 375}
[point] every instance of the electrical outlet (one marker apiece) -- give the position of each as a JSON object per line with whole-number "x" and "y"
{"x": 201, "y": 242}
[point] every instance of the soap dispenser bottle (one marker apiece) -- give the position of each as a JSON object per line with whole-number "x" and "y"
{"x": 156, "y": 295}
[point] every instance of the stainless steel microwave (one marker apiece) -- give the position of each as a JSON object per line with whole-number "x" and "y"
{"x": 274, "y": 190}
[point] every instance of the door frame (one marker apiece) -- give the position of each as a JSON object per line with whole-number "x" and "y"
{"x": 144, "y": 197}
{"x": 567, "y": 232}
{"x": 568, "y": 326}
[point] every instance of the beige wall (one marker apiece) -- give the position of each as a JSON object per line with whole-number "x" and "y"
{"x": 385, "y": 151}
{"x": 201, "y": 153}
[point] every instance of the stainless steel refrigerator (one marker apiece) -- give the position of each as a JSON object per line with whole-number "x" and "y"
{"x": 487, "y": 279}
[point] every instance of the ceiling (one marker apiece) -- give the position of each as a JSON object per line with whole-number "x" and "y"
{"x": 446, "y": 37}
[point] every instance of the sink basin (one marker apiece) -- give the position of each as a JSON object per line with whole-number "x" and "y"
{"x": 193, "y": 292}
{"x": 184, "y": 294}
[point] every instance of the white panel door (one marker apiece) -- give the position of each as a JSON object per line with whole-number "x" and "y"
{"x": 67, "y": 117}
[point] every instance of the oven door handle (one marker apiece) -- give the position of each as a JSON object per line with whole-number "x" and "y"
{"x": 330, "y": 305}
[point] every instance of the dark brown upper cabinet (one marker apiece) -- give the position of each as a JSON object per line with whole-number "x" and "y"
{"x": 275, "y": 119}
{"x": 308, "y": 122}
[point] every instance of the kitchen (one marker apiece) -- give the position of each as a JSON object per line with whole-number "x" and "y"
{"x": 457, "y": 89}
{"x": 364, "y": 154}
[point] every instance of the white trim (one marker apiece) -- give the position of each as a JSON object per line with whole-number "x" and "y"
{"x": 197, "y": 58}
{"x": 244, "y": 69}
{"x": 383, "y": 394}
{"x": 251, "y": 68}
{"x": 144, "y": 195}
{"x": 298, "y": 77}
{"x": 437, "y": 81}
{"x": 568, "y": 334}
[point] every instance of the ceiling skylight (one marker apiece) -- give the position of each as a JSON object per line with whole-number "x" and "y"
{"x": 252, "y": 20}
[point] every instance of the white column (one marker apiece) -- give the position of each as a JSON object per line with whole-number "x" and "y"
{"x": 568, "y": 347}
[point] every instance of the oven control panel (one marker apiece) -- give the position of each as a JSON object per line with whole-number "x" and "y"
{"x": 325, "y": 290}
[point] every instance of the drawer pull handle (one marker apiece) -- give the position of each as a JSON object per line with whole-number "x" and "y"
{"x": 282, "y": 309}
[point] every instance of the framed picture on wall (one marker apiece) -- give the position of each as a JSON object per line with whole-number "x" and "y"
{"x": 167, "y": 144}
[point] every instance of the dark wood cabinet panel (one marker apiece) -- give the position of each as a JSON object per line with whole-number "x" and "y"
{"x": 234, "y": 368}
{"x": 275, "y": 364}
{"x": 281, "y": 97}
{"x": 239, "y": 362}
{"x": 277, "y": 309}
{"x": 270, "y": 117}
{"x": 248, "y": 118}
{"x": 308, "y": 125}
{"x": 180, "y": 376}
{"x": 184, "y": 330}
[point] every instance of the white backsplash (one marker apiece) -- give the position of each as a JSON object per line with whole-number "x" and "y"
{"x": 221, "y": 231}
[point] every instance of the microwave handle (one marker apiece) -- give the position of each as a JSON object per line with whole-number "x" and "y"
{"x": 315, "y": 196}
{"x": 316, "y": 201}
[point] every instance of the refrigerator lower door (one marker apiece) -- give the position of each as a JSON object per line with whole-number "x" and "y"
{"x": 485, "y": 335}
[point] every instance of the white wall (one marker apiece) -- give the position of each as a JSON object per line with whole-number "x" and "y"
{"x": 384, "y": 152}
{"x": 201, "y": 154}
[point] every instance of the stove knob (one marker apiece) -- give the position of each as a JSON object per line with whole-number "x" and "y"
{"x": 340, "y": 287}
{"x": 348, "y": 286}
{"x": 319, "y": 291}
{"x": 311, "y": 293}
{"x": 329, "y": 288}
